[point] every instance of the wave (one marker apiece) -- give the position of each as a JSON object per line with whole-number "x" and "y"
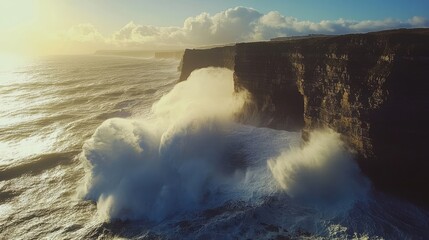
{"x": 189, "y": 155}
{"x": 321, "y": 173}
{"x": 172, "y": 160}
{"x": 36, "y": 165}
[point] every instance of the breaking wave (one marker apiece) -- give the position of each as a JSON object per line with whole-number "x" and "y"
{"x": 190, "y": 155}
{"x": 321, "y": 173}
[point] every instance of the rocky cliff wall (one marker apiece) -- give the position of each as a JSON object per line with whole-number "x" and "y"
{"x": 372, "y": 88}
{"x": 201, "y": 58}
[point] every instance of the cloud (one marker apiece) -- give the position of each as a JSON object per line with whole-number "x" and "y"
{"x": 274, "y": 24}
{"x": 134, "y": 34}
{"x": 81, "y": 38}
{"x": 232, "y": 25}
{"x": 235, "y": 24}
{"x": 82, "y": 33}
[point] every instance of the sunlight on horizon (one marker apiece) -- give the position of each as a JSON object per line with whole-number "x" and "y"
{"x": 214, "y": 119}
{"x": 31, "y": 28}
{"x": 49, "y": 27}
{"x": 9, "y": 62}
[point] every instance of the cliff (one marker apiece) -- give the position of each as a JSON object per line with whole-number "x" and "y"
{"x": 372, "y": 88}
{"x": 201, "y": 58}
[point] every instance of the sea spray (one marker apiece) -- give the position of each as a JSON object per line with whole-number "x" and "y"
{"x": 80, "y": 92}
{"x": 170, "y": 162}
{"x": 321, "y": 172}
{"x": 190, "y": 155}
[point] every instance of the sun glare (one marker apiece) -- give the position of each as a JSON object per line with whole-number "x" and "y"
{"x": 16, "y": 13}
{"x": 18, "y": 20}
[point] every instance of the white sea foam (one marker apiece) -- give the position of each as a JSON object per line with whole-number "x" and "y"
{"x": 321, "y": 173}
{"x": 203, "y": 164}
{"x": 189, "y": 155}
{"x": 169, "y": 162}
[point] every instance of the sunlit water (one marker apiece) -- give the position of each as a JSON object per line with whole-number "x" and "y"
{"x": 50, "y": 106}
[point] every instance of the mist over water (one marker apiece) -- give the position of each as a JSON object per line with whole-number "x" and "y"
{"x": 187, "y": 156}
{"x": 322, "y": 172}
{"x": 171, "y": 161}
{"x": 118, "y": 149}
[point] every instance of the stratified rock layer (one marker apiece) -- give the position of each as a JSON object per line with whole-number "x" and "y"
{"x": 372, "y": 88}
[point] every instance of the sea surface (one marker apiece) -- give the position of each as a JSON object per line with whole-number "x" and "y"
{"x": 105, "y": 147}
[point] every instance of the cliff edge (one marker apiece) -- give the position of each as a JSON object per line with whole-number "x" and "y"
{"x": 372, "y": 88}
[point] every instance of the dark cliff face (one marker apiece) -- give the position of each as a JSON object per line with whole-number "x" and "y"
{"x": 201, "y": 58}
{"x": 271, "y": 73}
{"x": 372, "y": 88}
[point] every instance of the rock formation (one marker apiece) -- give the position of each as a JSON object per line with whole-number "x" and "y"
{"x": 372, "y": 88}
{"x": 201, "y": 58}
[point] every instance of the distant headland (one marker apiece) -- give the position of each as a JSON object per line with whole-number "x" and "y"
{"x": 176, "y": 54}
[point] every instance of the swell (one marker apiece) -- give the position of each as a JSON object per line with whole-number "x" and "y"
{"x": 37, "y": 165}
{"x": 49, "y": 107}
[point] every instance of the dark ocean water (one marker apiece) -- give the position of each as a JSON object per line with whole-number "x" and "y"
{"x": 96, "y": 147}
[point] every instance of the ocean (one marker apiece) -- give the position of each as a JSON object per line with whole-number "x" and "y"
{"x": 107, "y": 147}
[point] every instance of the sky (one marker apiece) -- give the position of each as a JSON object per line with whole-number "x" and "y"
{"x": 83, "y": 26}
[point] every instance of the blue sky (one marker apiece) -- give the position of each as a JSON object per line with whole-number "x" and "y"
{"x": 85, "y": 25}
{"x": 109, "y": 15}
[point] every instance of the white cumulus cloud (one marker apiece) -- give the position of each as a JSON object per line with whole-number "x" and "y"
{"x": 83, "y": 33}
{"x": 232, "y": 25}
